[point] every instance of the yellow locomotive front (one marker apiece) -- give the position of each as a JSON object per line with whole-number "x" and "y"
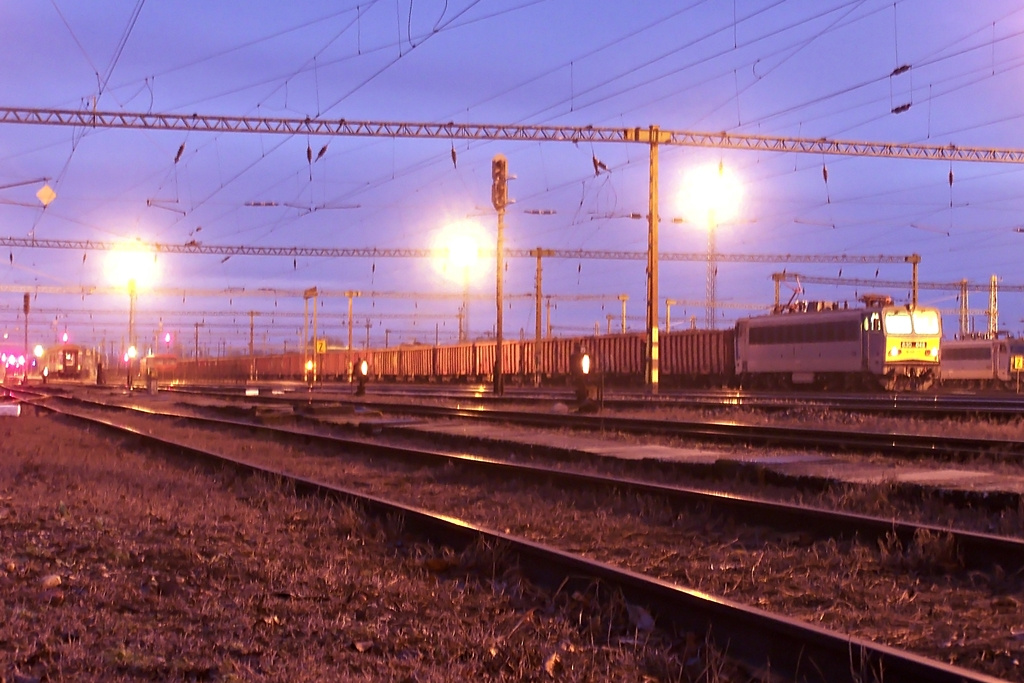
{"x": 912, "y": 337}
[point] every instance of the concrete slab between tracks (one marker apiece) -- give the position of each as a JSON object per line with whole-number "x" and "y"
{"x": 791, "y": 465}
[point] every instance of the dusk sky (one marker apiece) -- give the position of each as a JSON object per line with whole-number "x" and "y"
{"x": 802, "y": 69}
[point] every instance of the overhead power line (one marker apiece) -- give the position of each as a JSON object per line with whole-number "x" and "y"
{"x": 513, "y": 132}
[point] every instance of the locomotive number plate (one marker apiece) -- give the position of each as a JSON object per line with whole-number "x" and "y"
{"x": 913, "y": 345}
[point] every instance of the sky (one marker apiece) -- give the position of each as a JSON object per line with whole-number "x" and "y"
{"x": 934, "y": 72}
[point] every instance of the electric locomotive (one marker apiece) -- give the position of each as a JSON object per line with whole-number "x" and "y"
{"x": 820, "y": 344}
{"x": 982, "y": 363}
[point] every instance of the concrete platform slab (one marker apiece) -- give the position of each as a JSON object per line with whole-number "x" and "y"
{"x": 794, "y": 465}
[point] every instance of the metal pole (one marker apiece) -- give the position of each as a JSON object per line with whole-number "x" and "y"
{"x": 28, "y": 353}
{"x": 351, "y": 367}
{"x": 316, "y": 343}
{"x": 499, "y": 380}
{"x": 252, "y": 346}
{"x": 305, "y": 337}
{"x": 623, "y": 298}
{"x": 652, "y": 265}
{"x": 537, "y": 319}
{"x": 712, "y": 274}
{"x": 132, "y": 293}
{"x": 308, "y": 294}
{"x": 548, "y": 306}
{"x": 915, "y": 260}
{"x": 464, "y": 327}
{"x": 499, "y": 199}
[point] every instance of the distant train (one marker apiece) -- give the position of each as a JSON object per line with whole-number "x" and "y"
{"x": 983, "y": 363}
{"x": 879, "y": 346}
{"x": 68, "y": 361}
{"x": 160, "y": 367}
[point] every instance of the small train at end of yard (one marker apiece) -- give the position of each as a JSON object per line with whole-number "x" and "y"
{"x": 69, "y": 361}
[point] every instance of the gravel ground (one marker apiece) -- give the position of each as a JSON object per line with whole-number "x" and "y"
{"x": 914, "y": 597}
{"x": 120, "y": 566}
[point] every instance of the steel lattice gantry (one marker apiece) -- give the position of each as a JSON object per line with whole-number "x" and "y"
{"x": 511, "y": 132}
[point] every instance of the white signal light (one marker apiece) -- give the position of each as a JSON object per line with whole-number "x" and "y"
{"x": 585, "y": 364}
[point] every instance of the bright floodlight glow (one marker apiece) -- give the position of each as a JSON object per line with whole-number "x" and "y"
{"x": 710, "y": 195}
{"x": 459, "y": 246}
{"x": 129, "y": 263}
{"x": 167, "y": 338}
{"x": 132, "y": 352}
{"x": 64, "y": 337}
{"x": 38, "y": 351}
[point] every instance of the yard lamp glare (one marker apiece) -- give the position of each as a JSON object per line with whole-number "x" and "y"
{"x": 38, "y": 351}
{"x": 711, "y": 196}
{"x": 458, "y": 246}
{"x": 134, "y": 266}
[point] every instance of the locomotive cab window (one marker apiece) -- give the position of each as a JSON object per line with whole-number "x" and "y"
{"x": 898, "y": 322}
{"x": 926, "y": 322}
{"x": 903, "y": 322}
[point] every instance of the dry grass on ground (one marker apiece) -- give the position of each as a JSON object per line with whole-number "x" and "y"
{"x": 116, "y": 566}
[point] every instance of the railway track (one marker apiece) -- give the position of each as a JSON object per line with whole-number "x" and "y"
{"x": 980, "y": 551}
{"x": 894, "y": 444}
{"x": 722, "y": 617}
{"x": 993, "y": 406}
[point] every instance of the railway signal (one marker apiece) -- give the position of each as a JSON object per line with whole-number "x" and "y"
{"x": 499, "y": 198}
{"x": 588, "y": 391}
{"x": 362, "y": 374}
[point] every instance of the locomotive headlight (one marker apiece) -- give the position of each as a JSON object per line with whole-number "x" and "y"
{"x": 934, "y": 353}
{"x": 894, "y": 352}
